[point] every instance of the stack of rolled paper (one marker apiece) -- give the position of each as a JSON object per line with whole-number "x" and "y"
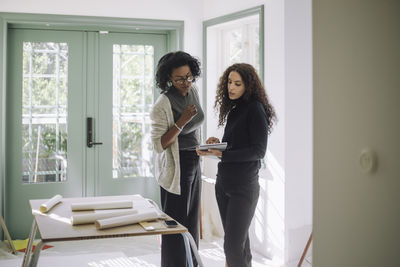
{"x": 108, "y": 214}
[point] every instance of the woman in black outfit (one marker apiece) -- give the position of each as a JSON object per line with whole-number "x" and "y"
{"x": 244, "y": 107}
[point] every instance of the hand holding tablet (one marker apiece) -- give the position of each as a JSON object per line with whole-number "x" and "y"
{"x": 217, "y": 146}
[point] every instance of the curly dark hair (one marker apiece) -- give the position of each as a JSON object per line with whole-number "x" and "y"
{"x": 254, "y": 90}
{"x": 171, "y": 61}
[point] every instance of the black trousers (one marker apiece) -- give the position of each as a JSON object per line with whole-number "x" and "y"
{"x": 184, "y": 208}
{"x": 237, "y": 204}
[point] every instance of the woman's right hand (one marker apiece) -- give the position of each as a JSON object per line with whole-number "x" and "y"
{"x": 187, "y": 115}
{"x": 209, "y": 152}
{"x": 212, "y": 140}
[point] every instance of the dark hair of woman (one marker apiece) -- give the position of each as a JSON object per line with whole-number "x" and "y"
{"x": 254, "y": 90}
{"x": 171, "y": 61}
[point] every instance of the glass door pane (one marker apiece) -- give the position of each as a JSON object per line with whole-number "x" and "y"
{"x": 127, "y": 93}
{"x": 133, "y": 82}
{"x": 44, "y": 112}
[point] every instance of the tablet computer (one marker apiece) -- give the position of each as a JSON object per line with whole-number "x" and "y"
{"x": 218, "y": 146}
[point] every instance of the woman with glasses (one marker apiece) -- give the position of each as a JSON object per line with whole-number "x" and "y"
{"x": 176, "y": 120}
{"x": 248, "y": 117}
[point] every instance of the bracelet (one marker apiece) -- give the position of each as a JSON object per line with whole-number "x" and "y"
{"x": 177, "y": 127}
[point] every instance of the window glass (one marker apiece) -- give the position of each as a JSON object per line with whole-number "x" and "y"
{"x": 229, "y": 42}
{"x": 44, "y": 112}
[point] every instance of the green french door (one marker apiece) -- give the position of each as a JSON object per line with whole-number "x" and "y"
{"x": 60, "y": 85}
{"x": 126, "y": 95}
{"x": 45, "y": 109}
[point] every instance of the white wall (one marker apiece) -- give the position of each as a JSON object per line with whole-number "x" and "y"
{"x": 298, "y": 126}
{"x": 356, "y": 105}
{"x": 287, "y": 206}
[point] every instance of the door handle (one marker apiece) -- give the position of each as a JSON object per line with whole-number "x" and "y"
{"x": 89, "y": 127}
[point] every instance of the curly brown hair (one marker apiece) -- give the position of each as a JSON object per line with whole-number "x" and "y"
{"x": 254, "y": 90}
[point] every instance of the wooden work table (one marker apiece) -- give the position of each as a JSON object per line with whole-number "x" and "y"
{"x": 56, "y": 226}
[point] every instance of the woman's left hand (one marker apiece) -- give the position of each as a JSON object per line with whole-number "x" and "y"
{"x": 209, "y": 152}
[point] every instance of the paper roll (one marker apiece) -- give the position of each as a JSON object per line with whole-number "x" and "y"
{"x": 98, "y": 215}
{"x": 101, "y": 205}
{"x": 49, "y": 204}
{"x": 127, "y": 219}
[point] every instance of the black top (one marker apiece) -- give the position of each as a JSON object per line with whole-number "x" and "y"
{"x": 246, "y": 133}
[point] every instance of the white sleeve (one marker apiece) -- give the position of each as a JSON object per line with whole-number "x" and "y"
{"x": 159, "y": 126}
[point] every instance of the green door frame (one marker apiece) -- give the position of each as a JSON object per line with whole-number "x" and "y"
{"x": 174, "y": 30}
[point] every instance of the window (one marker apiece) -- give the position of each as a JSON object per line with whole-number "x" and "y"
{"x": 230, "y": 39}
{"x": 239, "y": 42}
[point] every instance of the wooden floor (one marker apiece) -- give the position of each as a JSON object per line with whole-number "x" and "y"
{"x": 141, "y": 251}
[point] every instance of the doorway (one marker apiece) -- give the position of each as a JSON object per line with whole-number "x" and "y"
{"x": 61, "y": 85}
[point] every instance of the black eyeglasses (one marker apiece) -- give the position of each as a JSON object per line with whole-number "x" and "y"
{"x": 183, "y": 80}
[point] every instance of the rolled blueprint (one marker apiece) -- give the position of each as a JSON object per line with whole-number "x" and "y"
{"x": 142, "y": 216}
{"x": 49, "y": 204}
{"x": 98, "y": 215}
{"x": 101, "y": 205}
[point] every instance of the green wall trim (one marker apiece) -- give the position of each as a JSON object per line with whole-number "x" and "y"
{"x": 173, "y": 29}
{"x": 237, "y": 15}
{"x": 3, "y": 47}
{"x": 258, "y": 10}
{"x": 89, "y": 22}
